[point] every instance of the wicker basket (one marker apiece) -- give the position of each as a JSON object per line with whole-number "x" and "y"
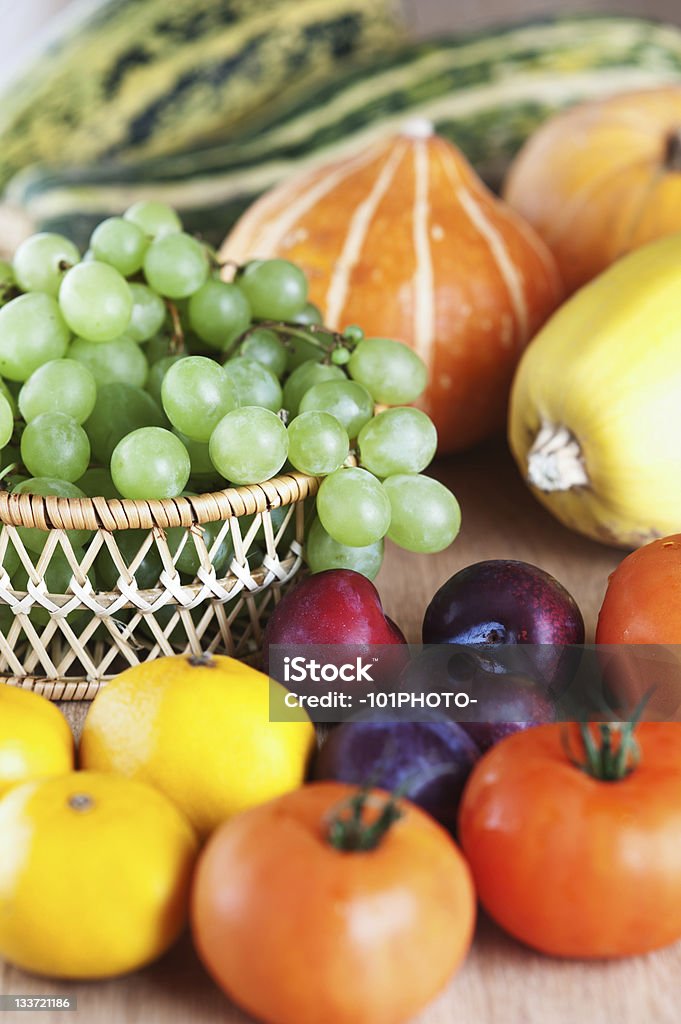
{"x": 85, "y": 636}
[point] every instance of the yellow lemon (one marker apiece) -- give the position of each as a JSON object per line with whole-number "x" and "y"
{"x": 35, "y": 738}
{"x": 199, "y": 729}
{"x": 94, "y": 875}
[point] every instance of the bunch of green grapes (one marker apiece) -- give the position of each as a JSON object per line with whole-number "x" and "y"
{"x": 134, "y": 370}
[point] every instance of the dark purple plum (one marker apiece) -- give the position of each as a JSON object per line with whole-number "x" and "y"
{"x": 501, "y": 702}
{"x": 503, "y": 602}
{"x": 428, "y": 760}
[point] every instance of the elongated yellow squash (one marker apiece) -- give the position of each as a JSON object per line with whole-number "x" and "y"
{"x": 595, "y": 415}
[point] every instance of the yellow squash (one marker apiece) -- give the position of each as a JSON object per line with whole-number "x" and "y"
{"x": 595, "y": 416}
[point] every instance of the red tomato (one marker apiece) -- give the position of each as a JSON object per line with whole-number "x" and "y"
{"x": 299, "y": 932}
{"x": 572, "y": 865}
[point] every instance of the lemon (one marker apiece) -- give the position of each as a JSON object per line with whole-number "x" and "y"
{"x": 35, "y": 738}
{"x": 94, "y": 875}
{"x": 199, "y": 729}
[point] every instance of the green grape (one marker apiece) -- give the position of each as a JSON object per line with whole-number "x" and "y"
{"x": 253, "y": 383}
{"x": 309, "y": 314}
{"x": 305, "y": 377}
{"x": 32, "y": 331}
{"x": 353, "y": 507}
{"x": 298, "y": 350}
{"x": 317, "y": 443}
{"x": 6, "y": 422}
{"x": 62, "y": 385}
{"x": 277, "y": 517}
{"x": 55, "y": 443}
{"x": 118, "y": 360}
{"x": 196, "y": 394}
{"x": 97, "y": 483}
{"x": 149, "y": 463}
{"x": 6, "y": 393}
{"x": 199, "y": 456}
{"x": 33, "y": 538}
{"x": 148, "y": 313}
{"x": 400, "y": 440}
{"x": 353, "y": 333}
{"x": 275, "y": 289}
{"x": 57, "y": 577}
{"x": 154, "y": 218}
{"x": 95, "y": 301}
{"x": 120, "y": 408}
{"x": 425, "y": 515}
{"x": 176, "y": 265}
{"x": 188, "y": 561}
{"x": 10, "y": 561}
{"x": 7, "y": 279}
{"x": 129, "y": 542}
{"x": 249, "y": 445}
{"x": 219, "y": 313}
{"x": 265, "y": 347}
{"x": 9, "y": 455}
{"x": 340, "y": 356}
{"x": 323, "y": 552}
{"x": 350, "y": 403}
{"x": 120, "y": 243}
{"x": 41, "y": 261}
{"x": 390, "y": 371}
{"x": 157, "y": 374}
{"x": 157, "y": 347}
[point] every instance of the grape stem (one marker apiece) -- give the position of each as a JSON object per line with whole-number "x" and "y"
{"x": 310, "y": 333}
{"x": 7, "y": 470}
{"x": 177, "y": 337}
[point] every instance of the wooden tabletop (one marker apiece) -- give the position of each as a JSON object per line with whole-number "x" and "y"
{"x": 501, "y": 982}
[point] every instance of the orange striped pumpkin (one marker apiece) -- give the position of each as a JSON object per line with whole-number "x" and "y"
{"x": 405, "y": 240}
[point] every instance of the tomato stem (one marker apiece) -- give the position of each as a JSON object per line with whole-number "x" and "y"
{"x": 348, "y": 830}
{"x": 614, "y": 753}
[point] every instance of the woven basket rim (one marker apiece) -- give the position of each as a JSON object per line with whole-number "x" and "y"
{"x": 49, "y": 512}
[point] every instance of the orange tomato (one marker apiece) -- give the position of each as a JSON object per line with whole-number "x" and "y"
{"x": 642, "y": 605}
{"x": 572, "y": 865}
{"x": 297, "y": 931}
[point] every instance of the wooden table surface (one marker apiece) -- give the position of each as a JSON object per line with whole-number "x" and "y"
{"x": 501, "y": 982}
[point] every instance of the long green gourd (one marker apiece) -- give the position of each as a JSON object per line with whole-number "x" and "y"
{"x": 486, "y": 93}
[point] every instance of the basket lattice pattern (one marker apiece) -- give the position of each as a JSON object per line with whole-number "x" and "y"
{"x": 67, "y": 645}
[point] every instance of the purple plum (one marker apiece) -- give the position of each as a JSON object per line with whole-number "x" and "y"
{"x": 503, "y": 602}
{"x": 428, "y": 760}
{"x": 501, "y": 702}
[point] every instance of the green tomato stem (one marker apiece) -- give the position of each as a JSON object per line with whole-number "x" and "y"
{"x": 349, "y": 832}
{"x": 615, "y": 753}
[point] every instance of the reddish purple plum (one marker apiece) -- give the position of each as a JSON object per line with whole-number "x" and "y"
{"x": 338, "y": 606}
{"x": 429, "y": 761}
{"x": 503, "y": 602}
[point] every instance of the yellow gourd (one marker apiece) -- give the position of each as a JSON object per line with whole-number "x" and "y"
{"x": 595, "y": 416}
